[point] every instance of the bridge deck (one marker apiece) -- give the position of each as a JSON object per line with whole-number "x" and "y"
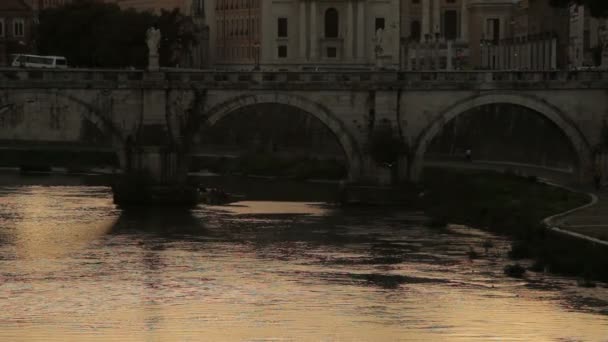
{"x": 307, "y": 80}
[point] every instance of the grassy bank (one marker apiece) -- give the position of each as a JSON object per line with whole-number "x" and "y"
{"x": 272, "y": 166}
{"x": 514, "y": 206}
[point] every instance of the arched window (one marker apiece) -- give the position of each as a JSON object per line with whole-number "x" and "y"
{"x": 415, "y": 30}
{"x": 331, "y": 23}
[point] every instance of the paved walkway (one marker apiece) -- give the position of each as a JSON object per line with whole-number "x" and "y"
{"x": 588, "y": 223}
{"x": 591, "y": 221}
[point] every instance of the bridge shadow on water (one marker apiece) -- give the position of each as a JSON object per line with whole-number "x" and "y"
{"x": 319, "y": 237}
{"x": 170, "y": 224}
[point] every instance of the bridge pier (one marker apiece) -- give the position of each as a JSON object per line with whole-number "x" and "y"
{"x": 154, "y": 175}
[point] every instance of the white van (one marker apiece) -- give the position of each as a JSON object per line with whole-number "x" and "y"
{"x": 34, "y": 61}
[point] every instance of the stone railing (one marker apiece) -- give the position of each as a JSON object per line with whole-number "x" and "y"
{"x": 324, "y": 79}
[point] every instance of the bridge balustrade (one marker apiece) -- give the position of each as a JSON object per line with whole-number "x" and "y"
{"x": 302, "y": 78}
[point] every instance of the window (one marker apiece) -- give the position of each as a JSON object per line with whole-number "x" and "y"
{"x": 379, "y": 24}
{"x": 331, "y": 23}
{"x": 282, "y": 27}
{"x": 493, "y": 29}
{"x": 415, "y": 30}
{"x": 282, "y": 51}
{"x": 332, "y": 52}
{"x": 18, "y": 28}
{"x": 450, "y": 25}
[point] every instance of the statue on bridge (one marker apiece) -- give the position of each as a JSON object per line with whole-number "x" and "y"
{"x": 153, "y": 37}
{"x": 603, "y": 38}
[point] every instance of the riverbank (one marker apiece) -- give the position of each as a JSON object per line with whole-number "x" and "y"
{"x": 514, "y": 206}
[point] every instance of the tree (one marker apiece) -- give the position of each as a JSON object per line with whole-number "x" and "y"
{"x": 598, "y": 8}
{"x": 177, "y": 36}
{"x": 94, "y": 34}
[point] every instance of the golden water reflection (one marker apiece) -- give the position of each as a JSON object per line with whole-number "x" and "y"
{"x": 73, "y": 268}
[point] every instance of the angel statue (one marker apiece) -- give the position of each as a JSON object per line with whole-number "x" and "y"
{"x": 153, "y": 37}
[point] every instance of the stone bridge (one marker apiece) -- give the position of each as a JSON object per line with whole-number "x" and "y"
{"x": 152, "y": 119}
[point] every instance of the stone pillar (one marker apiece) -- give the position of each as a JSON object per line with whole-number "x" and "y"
{"x": 361, "y": 30}
{"x": 303, "y": 53}
{"x": 541, "y": 54}
{"x": 508, "y": 55}
{"x": 157, "y": 176}
{"x": 464, "y": 21}
{"x": 349, "y": 31}
{"x": 517, "y": 64}
{"x": 436, "y": 18}
{"x": 314, "y": 35}
{"x": 426, "y": 18}
{"x": 448, "y": 65}
{"x": 547, "y": 45}
{"x": 533, "y": 55}
{"x": 538, "y": 55}
{"x": 553, "y": 53}
{"x": 413, "y": 58}
{"x": 499, "y": 57}
{"x": 526, "y": 55}
{"x": 436, "y": 50}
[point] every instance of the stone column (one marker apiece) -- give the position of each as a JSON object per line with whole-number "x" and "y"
{"x": 553, "y": 53}
{"x": 361, "y": 30}
{"x": 314, "y": 35}
{"x": 532, "y": 45}
{"x": 436, "y": 18}
{"x": 413, "y": 57}
{"x": 526, "y": 55}
{"x": 303, "y": 54}
{"x": 349, "y": 31}
{"x": 536, "y": 55}
{"x": 541, "y": 47}
{"x": 499, "y": 56}
{"x": 448, "y": 65}
{"x": 547, "y": 45}
{"x": 426, "y": 18}
{"x": 464, "y": 21}
{"x": 436, "y": 52}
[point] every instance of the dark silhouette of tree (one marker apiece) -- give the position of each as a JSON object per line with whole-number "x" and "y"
{"x": 177, "y": 36}
{"x": 94, "y": 34}
{"x": 598, "y": 8}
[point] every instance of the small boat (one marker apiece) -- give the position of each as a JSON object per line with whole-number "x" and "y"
{"x": 214, "y": 196}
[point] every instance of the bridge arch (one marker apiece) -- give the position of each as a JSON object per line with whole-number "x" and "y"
{"x": 94, "y": 114}
{"x": 578, "y": 141}
{"x": 88, "y": 111}
{"x": 350, "y": 146}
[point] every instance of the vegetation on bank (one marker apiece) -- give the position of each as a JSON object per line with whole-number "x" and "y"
{"x": 514, "y": 206}
{"x": 266, "y": 165}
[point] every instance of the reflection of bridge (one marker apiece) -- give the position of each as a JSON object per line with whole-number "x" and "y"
{"x": 158, "y": 115}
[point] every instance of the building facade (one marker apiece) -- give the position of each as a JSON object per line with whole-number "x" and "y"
{"x": 235, "y": 30}
{"x": 16, "y": 28}
{"x": 300, "y": 34}
{"x": 585, "y": 39}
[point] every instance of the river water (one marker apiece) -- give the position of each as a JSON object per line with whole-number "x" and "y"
{"x": 73, "y": 267}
